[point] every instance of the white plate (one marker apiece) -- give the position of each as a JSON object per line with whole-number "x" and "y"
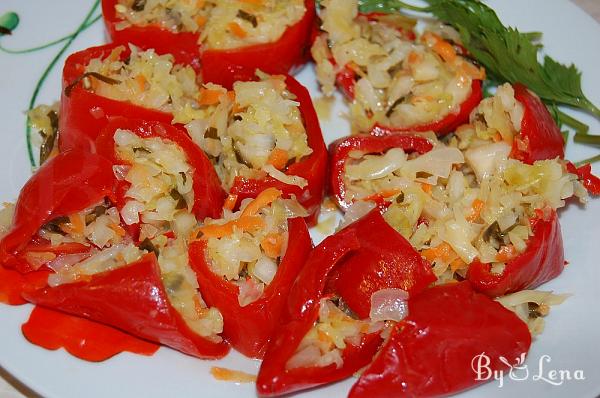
{"x": 571, "y": 336}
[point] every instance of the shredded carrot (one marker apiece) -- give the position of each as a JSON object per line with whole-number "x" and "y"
{"x": 201, "y": 20}
{"x": 237, "y": 30}
{"x": 209, "y": 97}
{"x": 426, "y": 188}
{"x": 224, "y": 374}
{"x": 200, "y": 3}
{"x": 231, "y": 95}
{"x": 230, "y": 202}
{"x": 476, "y": 208}
{"x": 472, "y": 71}
{"x": 445, "y": 50}
{"x": 253, "y": 2}
{"x": 506, "y": 253}
{"x": 272, "y": 244}
{"x": 457, "y": 264}
{"x": 497, "y": 137}
{"x": 386, "y": 193}
{"x": 413, "y": 58}
{"x": 278, "y": 158}
{"x": 76, "y": 225}
{"x": 141, "y": 82}
{"x": 245, "y": 223}
{"x": 442, "y": 252}
{"x": 263, "y": 199}
{"x": 118, "y": 229}
{"x": 323, "y": 336}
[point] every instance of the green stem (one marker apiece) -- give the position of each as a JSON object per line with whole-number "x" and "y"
{"x": 50, "y": 44}
{"x": 42, "y": 79}
{"x": 593, "y": 159}
{"x": 389, "y": 6}
{"x": 580, "y": 128}
{"x": 587, "y": 139}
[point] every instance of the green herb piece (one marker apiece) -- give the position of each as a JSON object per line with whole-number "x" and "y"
{"x": 8, "y": 22}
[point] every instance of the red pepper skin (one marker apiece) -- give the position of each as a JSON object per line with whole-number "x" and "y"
{"x": 225, "y": 67}
{"x": 83, "y": 114}
{"x": 208, "y": 194}
{"x": 313, "y": 167}
{"x": 184, "y": 45}
{"x": 339, "y": 152}
{"x": 345, "y": 80}
{"x": 385, "y": 260}
{"x": 13, "y": 284}
{"x": 298, "y": 317}
{"x": 447, "y": 124}
{"x": 248, "y": 329}
{"x": 131, "y": 298}
{"x": 80, "y": 337}
{"x": 65, "y": 184}
{"x": 542, "y": 261}
{"x": 430, "y": 353}
{"x": 540, "y": 137}
{"x": 589, "y": 181}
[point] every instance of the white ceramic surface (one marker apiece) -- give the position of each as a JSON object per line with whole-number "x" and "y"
{"x": 571, "y": 336}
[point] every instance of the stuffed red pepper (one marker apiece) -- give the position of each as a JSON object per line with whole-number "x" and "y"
{"x": 354, "y": 285}
{"x": 228, "y": 40}
{"x": 435, "y": 350}
{"x": 395, "y": 83}
{"x": 246, "y": 263}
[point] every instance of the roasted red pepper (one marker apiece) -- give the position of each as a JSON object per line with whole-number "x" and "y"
{"x": 542, "y": 260}
{"x": 340, "y": 150}
{"x": 208, "y": 194}
{"x": 81, "y": 337}
{"x": 385, "y": 260}
{"x": 433, "y": 351}
{"x": 589, "y": 181}
{"x": 131, "y": 298}
{"x": 540, "y": 138}
{"x": 248, "y": 329}
{"x": 68, "y": 183}
{"x": 223, "y": 67}
{"x": 83, "y": 113}
{"x": 184, "y": 45}
{"x": 447, "y": 124}
{"x": 313, "y": 168}
{"x": 298, "y": 317}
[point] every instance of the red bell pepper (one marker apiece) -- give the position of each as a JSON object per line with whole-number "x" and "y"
{"x": 83, "y": 113}
{"x": 131, "y": 298}
{"x": 385, "y": 260}
{"x": 435, "y": 351}
{"x": 589, "y": 181}
{"x": 66, "y": 184}
{"x": 14, "y": 283}
{"x": 208, "y": 194}
{"x": 447, "y": 124}
{"x": 542, "y": 260}
{"x": 222, "y": 67}
{"x": 540, "y": 138}
{"x": 298, "y": 317}
{"x": 81, "y": 337}
{"x": 340, "y": 152}
{"x": 313, "y": 168}
{"x": 184, "y": 45}
{"x": 248, "y": 329}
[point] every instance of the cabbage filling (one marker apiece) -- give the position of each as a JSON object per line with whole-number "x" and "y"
{"x": 160, "y": 198}
{"x": 149, "y": 80}
{"x": 221, "y": 24}
{"x": 248, "y": 249}
{"x": 256, "y": 130}
{"x": 399, "y": 82}
{"x": 335, "y": 329}
{"x": 455, "y": 209}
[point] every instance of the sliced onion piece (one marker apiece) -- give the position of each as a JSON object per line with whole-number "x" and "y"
{"x": 389, "y": 305}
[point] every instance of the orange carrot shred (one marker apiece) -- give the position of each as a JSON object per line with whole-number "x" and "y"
{"x": 237, "y": 30}
{"x": 236, "y": 376}
{"x": 506, "y": 253}
{"x": 263, "y": 199}
{"x": 278, "y": 158}
{"x": 272, "y": 244}
{"x": 476, "y": 208}
{"x": 209, "y": 97}
{"x": 230, "y": 202}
